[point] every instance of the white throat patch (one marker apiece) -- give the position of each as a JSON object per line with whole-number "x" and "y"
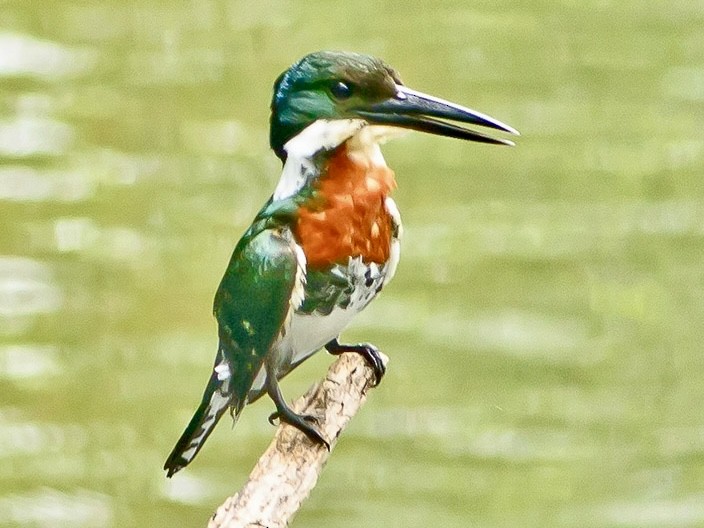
{"x": 322, "y": 134}
{"x": 326, "y": 135}
{"x": 300, "y": 149}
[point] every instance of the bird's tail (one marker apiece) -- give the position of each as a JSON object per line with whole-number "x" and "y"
{"x": 217, "y": 398}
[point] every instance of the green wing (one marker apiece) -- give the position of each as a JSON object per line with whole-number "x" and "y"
{"x": 253, "y": 302}
{"x": 251, "y": 305}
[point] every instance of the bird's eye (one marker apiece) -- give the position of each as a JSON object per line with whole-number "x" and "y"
{"x": 341, "y": 90}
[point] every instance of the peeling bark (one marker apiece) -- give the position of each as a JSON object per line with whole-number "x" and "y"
{"x": 289, "y": 468}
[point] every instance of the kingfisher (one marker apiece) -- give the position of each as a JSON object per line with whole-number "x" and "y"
{"x": 328, "y": 239}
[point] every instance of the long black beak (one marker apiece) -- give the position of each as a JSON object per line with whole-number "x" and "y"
{"x": 426, "y": 113}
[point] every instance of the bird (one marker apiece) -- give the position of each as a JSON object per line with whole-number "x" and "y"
{"x": 326, "y": 242}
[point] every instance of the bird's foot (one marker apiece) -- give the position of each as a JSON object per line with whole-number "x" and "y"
{"x": 284, "y": 413}
{"x": 368, "y": 351}
{"x": 277, "y": 416}
{"x": 302, "y": 422}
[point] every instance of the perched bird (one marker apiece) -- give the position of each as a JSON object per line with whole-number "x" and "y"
{"x": 326, "y": 242}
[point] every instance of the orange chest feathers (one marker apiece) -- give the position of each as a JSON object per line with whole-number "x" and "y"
{"x": 348, "y": 216}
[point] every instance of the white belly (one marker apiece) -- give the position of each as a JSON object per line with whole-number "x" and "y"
{"x": 308, "y": 332}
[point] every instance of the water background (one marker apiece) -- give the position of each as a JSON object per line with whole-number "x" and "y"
{"x": 545, "y": 324}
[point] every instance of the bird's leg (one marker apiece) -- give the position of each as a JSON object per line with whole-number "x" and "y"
{"x": 302, "y": 422}
{"x": 368, "y": 351}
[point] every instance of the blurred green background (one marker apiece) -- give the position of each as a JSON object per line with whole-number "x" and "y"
{"x": 545, "y": 324}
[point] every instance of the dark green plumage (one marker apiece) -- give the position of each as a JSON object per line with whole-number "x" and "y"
{"x": 326, "y": 291}
{"x": 248, "y": 304}
{"x": 309, "y": 90}
{"x": 251, "y": 314}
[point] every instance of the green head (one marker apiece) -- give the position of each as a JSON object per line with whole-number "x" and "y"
{"x": 335, "y": 85}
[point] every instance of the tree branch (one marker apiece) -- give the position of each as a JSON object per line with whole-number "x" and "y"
{"x": 289, "y": 468}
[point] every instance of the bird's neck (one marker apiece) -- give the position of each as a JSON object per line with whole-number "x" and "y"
{"x": 309, "y": 152}
{"x": 341, "y": 192}
{"x": 306, "y": 153}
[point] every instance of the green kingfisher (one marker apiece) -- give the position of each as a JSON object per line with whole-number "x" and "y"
{"x": 327, "y": 240}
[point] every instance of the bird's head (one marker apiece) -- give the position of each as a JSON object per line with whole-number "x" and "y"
{"x": 342, "y": 86}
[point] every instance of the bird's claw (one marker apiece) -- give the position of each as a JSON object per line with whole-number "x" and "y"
{"x": 373, "y": 357}
{"x": 368, "y": 351}
{"x": 302, "y": 422}
{"x": 273, "y": 417}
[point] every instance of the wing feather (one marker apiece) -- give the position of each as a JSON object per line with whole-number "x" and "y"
{"x": 254, "y": 302}
{"x": 262, "y": 285}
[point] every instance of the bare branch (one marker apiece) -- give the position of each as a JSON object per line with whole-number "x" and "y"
{"x": 288, "y": 470}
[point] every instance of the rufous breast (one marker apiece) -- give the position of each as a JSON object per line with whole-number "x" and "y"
{"x": 347, "y": 217}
